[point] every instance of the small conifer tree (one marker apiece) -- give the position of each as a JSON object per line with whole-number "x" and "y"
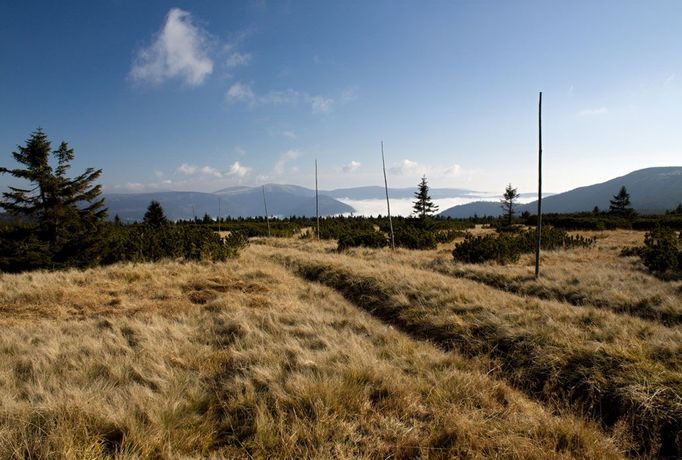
{"x": 620, "y": 204}
{"x": 423, "y": 206}
{"x": 508, "y": 202}
{"x": 155, "y": 216}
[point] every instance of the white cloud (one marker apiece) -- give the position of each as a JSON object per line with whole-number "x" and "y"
{"x": 285, "y": 158}
{"x": 597, "y": 111}
{"x": 453, "y": 170}
{"x": 210, "y": 171}
{"x": 670, "y": 78}
{"x": 409, "y": 168}
{"x": 179, "y": 50}
{"x": 352, "y": 166}
{"x": 186, "y": 169}
{"x": 349, "y": 94}
{"x": 237, "y": 59}
{"x": 240, "y": 92}
{"x": 289, "y": 134}
{"x": 321, "y": 104}
{"x": 238, "y": 170}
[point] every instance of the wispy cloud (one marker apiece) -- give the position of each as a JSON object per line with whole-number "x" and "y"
{"x": 289, "y": 134}
{"x": 179, "y": 50}
{"x": 415, "y": 169}
{"x": 322, "y": 104}
{"x": 237, "y": 59}
{"x": 408, "y": 168}
{"x": 670, "y": 78}
{"x": 595, "y": 111}
{"x": 351, "y": 167}
{"x": 236, "y": 169}
{"x": 240, "y": 92}
{"x": 283, "y": 159}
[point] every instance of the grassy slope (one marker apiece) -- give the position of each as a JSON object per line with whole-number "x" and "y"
{"x": 621, "y": 369}
{"x": 245, "y": 359}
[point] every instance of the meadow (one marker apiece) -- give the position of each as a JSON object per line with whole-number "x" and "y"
{"x": 295, "y": 349}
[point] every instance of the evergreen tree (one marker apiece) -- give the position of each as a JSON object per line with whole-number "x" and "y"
{"x": 155, "y": 215}
{"x": 65, "y": 214}
{"x": 423, "y": 206}
{"x": 620, "y": 204}
{"x": 507, "y": 202}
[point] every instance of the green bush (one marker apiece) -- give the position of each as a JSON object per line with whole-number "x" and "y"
{"x": 448, "y": 236}
{"x": 145, "y": 243}
{"x": 506, "y": 247}
{"x": 661, "y": 252}
{"x": 414, "y": 238}
{"x": 367, "y": 239}
{"x": 479, "y": 249}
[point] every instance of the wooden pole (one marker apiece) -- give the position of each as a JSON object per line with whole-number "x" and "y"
{"x": 317, "y": 202}
{"x": 267, "y": 216}
{"x": 388, "y": 203}
{"x": 539, "y": 229}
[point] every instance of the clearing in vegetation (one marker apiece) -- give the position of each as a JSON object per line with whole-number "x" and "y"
{"x": 296, "y": 350}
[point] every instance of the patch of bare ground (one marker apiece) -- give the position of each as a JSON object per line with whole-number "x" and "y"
{"x": 246, "y": 360}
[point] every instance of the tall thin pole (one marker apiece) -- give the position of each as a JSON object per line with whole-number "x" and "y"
{"x": 317, "y": 202}
{"x": 218, "y": 215}
{"x": 539, "y": 229}
{"x": 388, "y": 203}
{"x": 267, "y": 216}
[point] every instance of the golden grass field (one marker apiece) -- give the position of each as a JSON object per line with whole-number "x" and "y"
{"x": 294, "y": 350}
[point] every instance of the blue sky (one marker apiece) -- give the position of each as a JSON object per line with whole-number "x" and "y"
{"x": 203, "y": 95}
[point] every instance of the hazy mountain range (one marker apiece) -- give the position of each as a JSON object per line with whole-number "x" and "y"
{"x": 651, "y": 190}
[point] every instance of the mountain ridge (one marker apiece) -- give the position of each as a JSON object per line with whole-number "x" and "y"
{"x": 652, "y": 190}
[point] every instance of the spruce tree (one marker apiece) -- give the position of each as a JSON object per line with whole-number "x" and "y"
{"x": 507, "y": 202}
{"x": 423, "y": 206}
{"x": 65, "y": 214}
{"x": 155, "y": 215}
{"x": 620, "y": 204}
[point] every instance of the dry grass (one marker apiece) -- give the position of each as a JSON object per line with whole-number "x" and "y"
{"x": 244, "y": 359}
{"x": 617, "y": 368}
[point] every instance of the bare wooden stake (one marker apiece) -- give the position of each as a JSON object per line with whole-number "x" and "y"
{"x": 388, "y": 203}
{"x": 267, "y": 216}
{"x": 539, "y": 229}
{"x": 317, "y": 202}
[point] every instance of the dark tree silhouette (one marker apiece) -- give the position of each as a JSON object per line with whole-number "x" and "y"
{"x": 423, "y": 206}
{"x": 508, "y": 202}
{"x": 620, "y": 204}
{"x": 65, "y": 214}
{"x": 155, "y": 215}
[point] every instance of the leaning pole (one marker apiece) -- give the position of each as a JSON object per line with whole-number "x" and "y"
{"x": 539, "y": 228}
{"x": 317, "y": 203}
{"x": 388, "y": 203}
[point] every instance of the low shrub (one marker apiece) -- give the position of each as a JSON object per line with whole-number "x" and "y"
{"x": 367, "y": 239}
{"x": 479, "y": 249}
{"x": 415, "y": 238}
{"x": 661, "y": 251}
{"x": 448, "y": 236}
{"x": 508, "y": 247}
{"x": 145, "y": 243}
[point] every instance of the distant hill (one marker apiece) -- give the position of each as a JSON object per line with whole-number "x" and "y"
{"x": 283, "y": 200}
{"x": 652, "y": 190}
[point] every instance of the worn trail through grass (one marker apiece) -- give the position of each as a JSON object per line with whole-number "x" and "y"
{"x": 617, "y": 369}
